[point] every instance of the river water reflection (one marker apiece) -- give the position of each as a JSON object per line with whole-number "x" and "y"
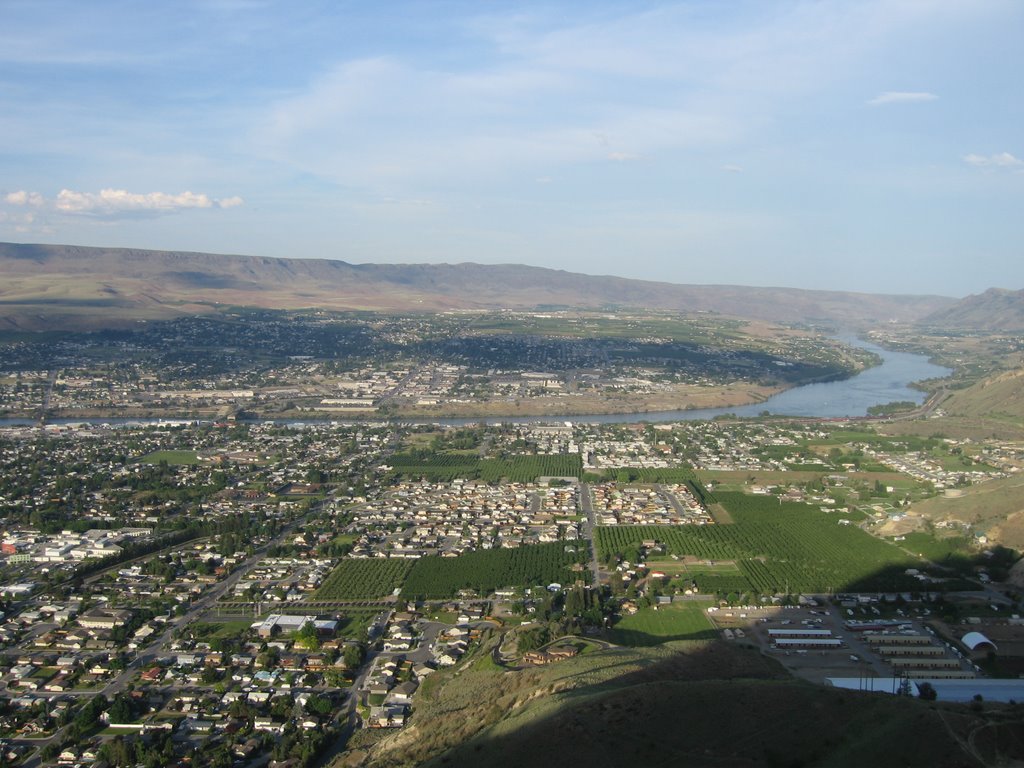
{"x": 885, "y": 383}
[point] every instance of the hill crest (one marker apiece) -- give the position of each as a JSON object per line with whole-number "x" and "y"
{"x": 997, "y": 309}
{"x": 57, "y": 284}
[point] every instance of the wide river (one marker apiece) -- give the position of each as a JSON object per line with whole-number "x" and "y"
{"x": 885, "y": 383}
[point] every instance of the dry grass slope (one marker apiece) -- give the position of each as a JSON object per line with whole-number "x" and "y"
{"x": 998, "y": 398}
{"x": 694, "y": 704}
{"x": 995, "y": 507}
{"x": 37, "y": 283}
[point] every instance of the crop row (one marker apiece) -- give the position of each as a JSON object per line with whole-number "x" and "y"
{"x": 445, "y": 467}
{"x": 360, "y": 579}
{"x": 779, "y": 547}
{"x": 664, "y": 475}
{"x": 488, "y": 570}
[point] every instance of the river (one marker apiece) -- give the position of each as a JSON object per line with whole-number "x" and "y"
{"x": 885, "y": 383}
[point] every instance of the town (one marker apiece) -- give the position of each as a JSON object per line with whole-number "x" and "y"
{"x": 275, "y": 364}
{"x": 214, "y": 592}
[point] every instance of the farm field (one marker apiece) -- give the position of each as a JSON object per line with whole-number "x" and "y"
{"x": 712, "y": 577}
{"x": 650, "y": 474}
{"x": 491, "y": 569}
{"x": 362, "y": 579}
{"x": 785, "y": 547}
{"x": 661, "y": 623}
{"x": 445, "y": 467}
{"x": 946, "y": 551}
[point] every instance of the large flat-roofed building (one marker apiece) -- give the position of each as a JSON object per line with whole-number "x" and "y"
{"x": 283, "y": 624}
{"x": 786, "y": 634}
{"x": 104, "y": 618}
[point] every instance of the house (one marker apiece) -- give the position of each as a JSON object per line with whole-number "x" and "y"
{"x": 403, "y": 692}
{"x": 247, "y": 749}
{"x": 267, "y": 725}
{"x": 422, "y": 670}
{"x": 197, "y": 726}
{"x": 104, "y": 618}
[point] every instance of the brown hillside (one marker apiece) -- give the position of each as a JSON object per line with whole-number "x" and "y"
{"x": 995, "y": 508}
{"x": 41, "y": 284}
{"x": 999, "y": 398}
{"x": 994, "y": 310}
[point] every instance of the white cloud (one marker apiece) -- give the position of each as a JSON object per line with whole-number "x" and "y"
{"x": 622, "y": 157}
{"x": 114, "y": 202}
{"x": 1000, "y": 160}
{"x": 21, "y": 197}
{"x": 732, "y": 168}
{"x": 901, "y": 97}
{"x": 118, "y": 200}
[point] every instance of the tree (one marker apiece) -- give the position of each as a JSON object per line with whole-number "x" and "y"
{"x": 927, "y": 692}
{"x": 354, "y": 656}
{"x": 318, "y": 705}
{"x": 307, "y": 637}
{"x": 121, "y": 711}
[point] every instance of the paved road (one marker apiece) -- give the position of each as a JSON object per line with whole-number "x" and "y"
{"x": 589, "y": 526}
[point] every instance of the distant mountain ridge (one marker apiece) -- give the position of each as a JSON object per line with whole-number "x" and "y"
{"x": 996, "y": 309}
{"x": 62, "y": 285}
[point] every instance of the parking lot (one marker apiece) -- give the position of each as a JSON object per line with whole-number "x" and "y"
{"x": 795, "y": 636}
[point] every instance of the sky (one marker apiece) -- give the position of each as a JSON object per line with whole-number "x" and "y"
{"x": 870, "y": 145}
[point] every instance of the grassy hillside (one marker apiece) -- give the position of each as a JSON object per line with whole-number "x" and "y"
{"x": 995, "y": 508}
{"x": 997, "y": 398}
{"x": 691, "y": 704}
{"x": 46, "y": 285}
{"x": 456, "y": 706}
{"x": 734, "y": 723}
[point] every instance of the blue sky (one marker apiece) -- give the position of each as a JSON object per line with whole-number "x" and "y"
{"x": 875, "y": 145}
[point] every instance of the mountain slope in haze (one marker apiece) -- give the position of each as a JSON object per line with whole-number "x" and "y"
{"x": 996, "y": 309}
{"x": 999, "y": 397}
{"x": 50, "y": 284}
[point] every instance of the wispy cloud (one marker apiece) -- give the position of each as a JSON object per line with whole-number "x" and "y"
{"x": 732, "y": 168}
{"x": 999, "y": 160}
{"x": 22, "y": 197}
{"x": 114, "y": 202}
{"x": 901, "y": 97}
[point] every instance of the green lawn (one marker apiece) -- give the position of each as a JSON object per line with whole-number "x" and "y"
{"x": 659, "y": 624}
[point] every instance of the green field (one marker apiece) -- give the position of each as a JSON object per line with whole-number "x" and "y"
{"x": 712, "y": 577}
{"x": 659, "y": 624}
{"x": 953, "y": 550}
{"x": 355, "y": 621}
{"x": 448, "y": 466}
{"x": 778, "y": 547}
{"x": 363, "y": 579}
{"x": 491, "y": 569}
